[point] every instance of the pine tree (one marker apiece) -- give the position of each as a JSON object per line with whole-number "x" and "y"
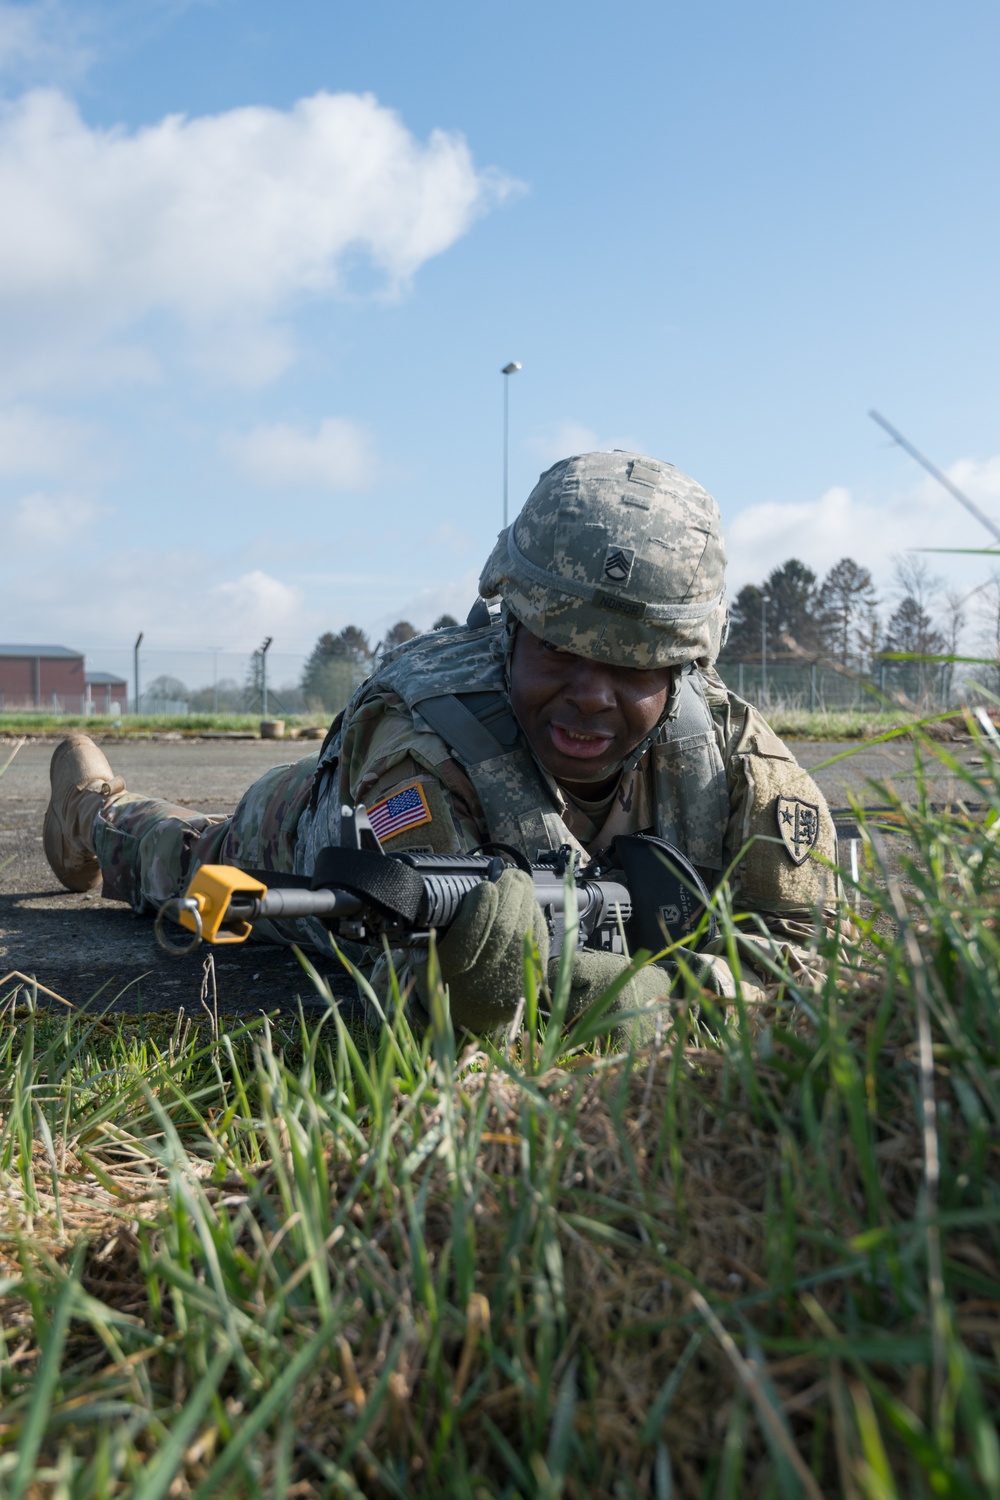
{"x": 745, "y": 623}
{"x": 335, "y": 667}
{"x": 793, "y": 607}
{"x": 847, "y": 602}
{"x": 397, "y": 634}
{"x": 911, "y": 630}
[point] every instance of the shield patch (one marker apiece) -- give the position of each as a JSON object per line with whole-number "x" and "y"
{"x": 798, "y": 824}
{"x": 618, "y": 564}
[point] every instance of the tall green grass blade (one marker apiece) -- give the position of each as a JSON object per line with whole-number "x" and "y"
{"x": 46, "y": 1381}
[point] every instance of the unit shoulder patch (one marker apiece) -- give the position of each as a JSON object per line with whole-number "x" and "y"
{"x": 798, "y": 824}
{"x": 405, "y": 809}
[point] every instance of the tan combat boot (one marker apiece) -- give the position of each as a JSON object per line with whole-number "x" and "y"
{"x": 82, "y": 781}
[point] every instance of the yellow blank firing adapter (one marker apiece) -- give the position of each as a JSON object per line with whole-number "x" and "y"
{"x": 205, "y": 906}
{"x": 212, "y": 887}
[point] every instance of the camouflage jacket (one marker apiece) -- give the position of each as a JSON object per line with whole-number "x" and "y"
{"x": 717, "y": 782}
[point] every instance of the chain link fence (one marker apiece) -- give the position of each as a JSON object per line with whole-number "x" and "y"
{"x": 172, "y": 682}
{"x": 817, "y": 686}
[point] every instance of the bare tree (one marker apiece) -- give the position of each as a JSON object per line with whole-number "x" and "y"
{"x": 915, "y": 580}
{"x": 988, "y": 613}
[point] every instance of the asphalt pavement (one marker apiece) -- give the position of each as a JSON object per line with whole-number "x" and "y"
{"x": 86, "y": 949}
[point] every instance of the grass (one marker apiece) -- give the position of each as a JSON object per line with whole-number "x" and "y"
{"x": 131, "y": 724}
{"x": 757, "y": 1256}
{"x": 794, "y": 723}
{"x": 789, "y": 721}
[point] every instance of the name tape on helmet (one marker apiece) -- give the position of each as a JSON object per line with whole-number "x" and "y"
{"x": 621, "y": 606}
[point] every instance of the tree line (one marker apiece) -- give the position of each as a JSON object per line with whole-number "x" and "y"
{"x": 339, "y": 662}
{"x": 841, "y": 617}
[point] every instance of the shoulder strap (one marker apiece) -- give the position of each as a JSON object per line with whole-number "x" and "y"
{"x": 477, "y": 726}
{"x": 482, "y": 733}
{"x": 692, "y": 791}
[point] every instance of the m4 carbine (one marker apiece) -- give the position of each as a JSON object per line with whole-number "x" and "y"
{"x": 642, "y": 893}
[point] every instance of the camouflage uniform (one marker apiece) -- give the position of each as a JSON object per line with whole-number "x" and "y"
{"x": 617, "y": 558}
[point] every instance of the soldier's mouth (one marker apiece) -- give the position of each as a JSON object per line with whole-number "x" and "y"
{"x": 580, "y": 744}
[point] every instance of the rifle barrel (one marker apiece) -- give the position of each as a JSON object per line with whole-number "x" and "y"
{"x": 280, "y": 903}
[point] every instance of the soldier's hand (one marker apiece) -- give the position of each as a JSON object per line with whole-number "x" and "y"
{"x": 594, "y": 972}
{"x": 482, "y": 953}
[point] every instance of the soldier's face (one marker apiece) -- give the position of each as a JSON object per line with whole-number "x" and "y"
{"x": 582, "y": 717}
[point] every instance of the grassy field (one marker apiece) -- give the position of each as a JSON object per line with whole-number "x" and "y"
{"x": 56, "y": 724}
{"x": 794, "y": 723}
{"x": 756, "y": 1257}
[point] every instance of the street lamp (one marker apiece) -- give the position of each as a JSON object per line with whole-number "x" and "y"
{"x": 135, "y": 666}
{"x": 763, "y": 648}
{"x": 506, "y": 372}
{"x": 263, "y": 673}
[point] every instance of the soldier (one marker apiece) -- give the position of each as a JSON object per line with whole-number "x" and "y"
{"x": 584, "y": 705}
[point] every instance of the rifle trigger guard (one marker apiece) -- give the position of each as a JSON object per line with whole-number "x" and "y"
{"x": 172, "y": 909}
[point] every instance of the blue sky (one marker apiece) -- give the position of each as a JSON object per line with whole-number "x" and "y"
{"x": 261, "y": 265}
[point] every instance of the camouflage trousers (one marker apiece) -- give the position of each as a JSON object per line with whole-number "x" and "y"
{"x": 149, "y": 849}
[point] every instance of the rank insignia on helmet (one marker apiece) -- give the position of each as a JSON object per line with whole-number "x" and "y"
{"x": 618, "y": 564}
{"x": 798, "y": 824}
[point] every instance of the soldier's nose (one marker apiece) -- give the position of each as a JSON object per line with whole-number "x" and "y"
{"x": 591, "y": 688}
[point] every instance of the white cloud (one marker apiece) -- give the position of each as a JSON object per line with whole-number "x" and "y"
{"x": 338, "y": 455}
{"x": 43, "y": 37}
{"x": 224, "y": 221}
{"x": 567, "y": 438}
{"x": 50, "y": 521}
{"x": 839, "y": 524}
{"x": 35, "y": 442}
{"x": 428, "y": 604}
{"x": 254, "y": 604}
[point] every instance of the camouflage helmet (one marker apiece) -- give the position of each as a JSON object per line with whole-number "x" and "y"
{"x": 616, "y": 557}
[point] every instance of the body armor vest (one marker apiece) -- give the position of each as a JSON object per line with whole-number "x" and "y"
{"x": 452, "y": 683}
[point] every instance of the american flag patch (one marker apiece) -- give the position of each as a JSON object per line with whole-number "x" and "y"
{"x": 403, "y": 810}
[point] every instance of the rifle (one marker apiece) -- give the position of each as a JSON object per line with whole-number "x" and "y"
{"x": 642, "y": 893}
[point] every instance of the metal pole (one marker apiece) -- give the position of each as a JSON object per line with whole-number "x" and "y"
{"x": 215, "y": 680}
{"x": 763, "y": 646}
{"x": 506, "y": 431}
{"x": 506, "y": 372}
{"x": 812, "y": 688}
{"x": 263, "y": 674}
{"x": 135, "y": 666}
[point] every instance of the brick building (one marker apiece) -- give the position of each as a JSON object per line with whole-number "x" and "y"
{"x": 50, "y": 677}
{"x": 107, "y": 693}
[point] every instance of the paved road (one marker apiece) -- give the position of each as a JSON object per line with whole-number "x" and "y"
{"x": 82, "y": 945}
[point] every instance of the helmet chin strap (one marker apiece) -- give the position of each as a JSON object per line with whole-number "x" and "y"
{"x": 670, "y": 711}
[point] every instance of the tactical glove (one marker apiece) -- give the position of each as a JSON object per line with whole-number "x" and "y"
{"x": 482, "y": 954}
{"x": 594, "y": 971}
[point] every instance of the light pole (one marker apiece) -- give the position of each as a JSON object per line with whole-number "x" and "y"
{"x": 506, "y": 372}
{"x": 263, "y": 674}
{"x": 763, "y": 647}
{"x": 135, "y": 666}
